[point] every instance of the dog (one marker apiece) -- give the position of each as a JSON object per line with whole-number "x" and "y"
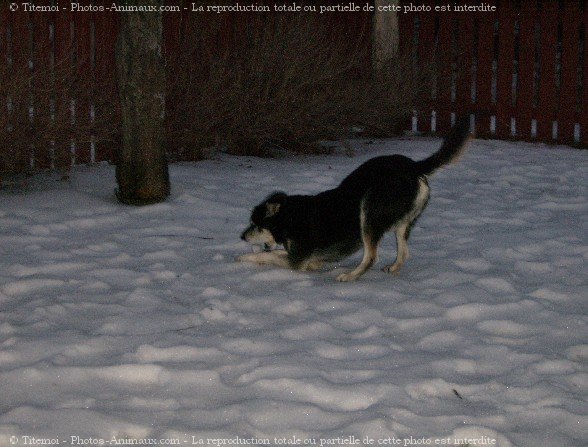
{"x": 386, "y": 193}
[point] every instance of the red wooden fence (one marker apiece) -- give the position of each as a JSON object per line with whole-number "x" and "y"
{"x": 520, "y": 71}
{"x": 51, "y": 42}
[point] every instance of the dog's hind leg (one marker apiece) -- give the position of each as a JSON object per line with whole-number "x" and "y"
{"x": 370, "y": 251}
{"x": 275, "y": 257}
{"x": 405, "y": 225}
{"x": 401, "y": 249}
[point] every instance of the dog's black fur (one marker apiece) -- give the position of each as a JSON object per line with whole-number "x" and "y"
{"x": 385, "y": 193}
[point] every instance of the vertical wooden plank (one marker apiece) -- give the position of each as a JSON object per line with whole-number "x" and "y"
{"x": 405, "y": 30}
{"x": 106, "y": 29}
{"x": 63, "y": 44}
{"x": 524, "y": 104}
{"x": 546, "y": 107}
{"x": 41, "y": 87}
{"x": 405, "y": 42}
{"x": 416, "y": 51}
{"x": 51, "y": 83}
{"x": 465, "y": 39}
{"x": 18, "y": 41}
{"x": 484, "y": 106}
{"x": 4, "y": 54}
{"x": 28, "y": 99}
{"x": 504, "y": 107}
{"x": 172, "y": 29}
{"x": 567, "y": 115}
{"x": 425, "y": 61}
{"x": 82, "y": 23}
{"x": 583, "y": 118}
{"x": 445, "y": 60}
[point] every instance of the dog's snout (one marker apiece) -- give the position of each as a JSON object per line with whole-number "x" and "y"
{"x": 244, "y": 234}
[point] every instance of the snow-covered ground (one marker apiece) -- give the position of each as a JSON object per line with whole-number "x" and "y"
{"x": 136, "y": 323}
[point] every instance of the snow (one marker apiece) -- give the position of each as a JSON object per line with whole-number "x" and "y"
{"x": 136, "y": 323}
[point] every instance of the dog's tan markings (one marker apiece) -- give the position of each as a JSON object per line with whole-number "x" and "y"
{"x": 278, "y": 258}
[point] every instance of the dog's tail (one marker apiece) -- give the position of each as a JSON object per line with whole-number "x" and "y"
{"x": 453, "y": 146}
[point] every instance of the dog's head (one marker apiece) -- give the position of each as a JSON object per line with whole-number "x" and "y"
{"x": 263, "y": 227}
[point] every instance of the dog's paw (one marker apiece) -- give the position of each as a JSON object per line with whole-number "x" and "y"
{"x": 392, "y": 268}
{"x": 311, "y": 266}
{"x": 242, "y": 258}
{"x": 345, "y": 277}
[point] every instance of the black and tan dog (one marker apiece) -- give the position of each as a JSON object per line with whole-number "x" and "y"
{"x": 384, "y": 194}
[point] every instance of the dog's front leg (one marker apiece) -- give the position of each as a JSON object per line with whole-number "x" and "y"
{"x": 275, "y": 257}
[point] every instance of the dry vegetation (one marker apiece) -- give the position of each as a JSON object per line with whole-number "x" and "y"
{"x": 283, "y": 81}
{"x": 287, "y": 84}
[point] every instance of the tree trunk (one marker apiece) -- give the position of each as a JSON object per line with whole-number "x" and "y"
{"x": 141, "y": 171}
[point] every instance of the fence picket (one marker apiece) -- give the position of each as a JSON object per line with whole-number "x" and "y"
{"x": 444, "y": 105}
{"x": 105, "y": 26}
{"x": 465, "y": 41}
{"x": 568, "y": 111}
{"x": 484, "y": 106}
{"x": 524, "y": 110}
{"x": 83, "y": 79}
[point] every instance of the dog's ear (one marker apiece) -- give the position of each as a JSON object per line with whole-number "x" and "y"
{"x": 274, "y": 202}
{"x": 272, "y": 209}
